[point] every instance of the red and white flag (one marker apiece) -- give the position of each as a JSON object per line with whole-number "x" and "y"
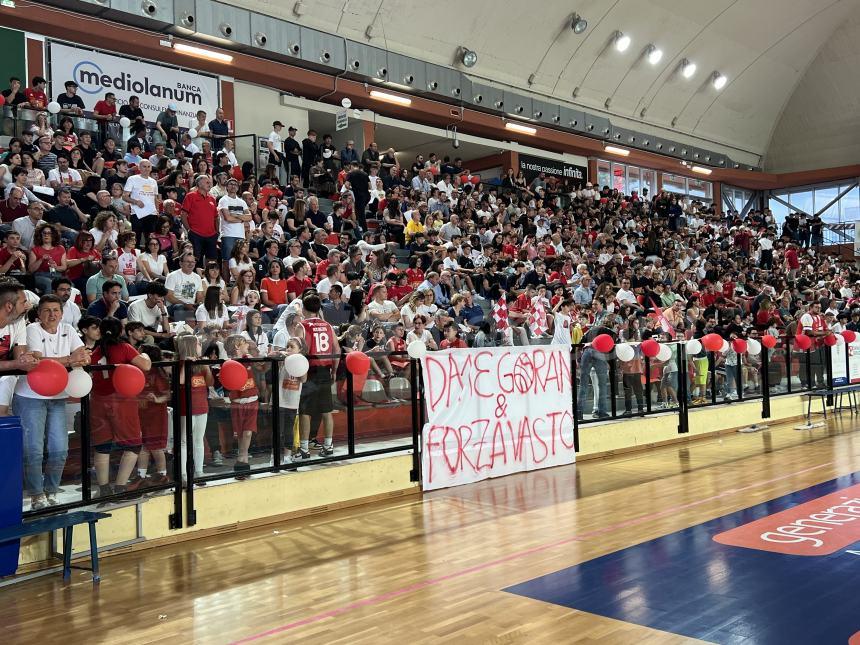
{"x": 537, "y": 318}
{"x": 500, "y": 313}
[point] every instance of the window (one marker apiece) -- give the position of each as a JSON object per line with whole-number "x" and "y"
{"x": 633, "y": 182}
{"x": 618, "y": 179}
{"x": 649, "y": 181}
{"x": 849, "y": 205}
{"x": 675, "y": 183}
{"x": 699, "y": 188}
{"x": 603, "y": 176}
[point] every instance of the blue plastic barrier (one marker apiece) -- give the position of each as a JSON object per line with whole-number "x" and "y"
{"x": 11, "y": 488}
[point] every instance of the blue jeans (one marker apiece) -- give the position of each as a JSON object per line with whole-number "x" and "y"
{"x": 601, "y": 369}
{"x": 43, "y": 418}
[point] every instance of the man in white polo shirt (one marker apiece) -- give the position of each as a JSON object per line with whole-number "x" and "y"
{"x": 184, "y": 289}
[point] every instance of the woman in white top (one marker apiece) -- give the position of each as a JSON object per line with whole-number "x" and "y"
{"x": 151, "y": 264}
{"x": 212, "y": 278}
{"x": 419, "y": 332}
{"x": 213, "y": 311}
{"x": 239, "y": 259}
{"x": 41, "y": 127}
{"x": 428, "y": 309}
{"x": 45, "y": 417}
{"x": 410, "y": 309}
{"x": 105, "y": 231}
{"x": 255, "y": 333}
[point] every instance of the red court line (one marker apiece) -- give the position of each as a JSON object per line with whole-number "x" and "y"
{"x": 423, "y": 584}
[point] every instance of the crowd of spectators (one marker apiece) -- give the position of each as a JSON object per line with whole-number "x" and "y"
{"x": 172, "y": 236}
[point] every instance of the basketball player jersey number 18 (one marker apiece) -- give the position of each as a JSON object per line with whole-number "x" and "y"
{"x": 319, "y": 337}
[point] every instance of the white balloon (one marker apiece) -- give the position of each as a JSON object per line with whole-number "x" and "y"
{"x": 416, "y": 349}
{"x": 694, "y": 346}
{"x": 125, "y": 122}
{"x": 625, "y": 352}
{"x": 725, "y": 346}
{"x": 664, "y": 354}
{"x": 296, "y": 365}
{"x": 345, "y": 102}
{"x": 80, "y": 383}
{"x": 53, "y": 107}
{"x": 192, "y": 133}
{"x": 753, "y": 347}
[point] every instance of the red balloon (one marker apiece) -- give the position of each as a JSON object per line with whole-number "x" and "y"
{"x": 739, "y": 345}
{"x": 357, "y": 363}
{"x": 2, "y": 101}
{"x": 849, "y": 336}
{"x": 603, "y": 343}
{"x": 233, "y": 375}
{"x": 128, "y": 380}
{"x": 768, "y": 341}
{"x": 802, "y": 341}
{"x": 48, "y": 378}
{"x": 650, "y": 347}
{"x": 712, "y": 342}
{"x": 830, "y": 340}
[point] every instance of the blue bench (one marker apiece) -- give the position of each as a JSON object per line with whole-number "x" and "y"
{"x": 66, "y": 522}
{"x": 838, "y": 394}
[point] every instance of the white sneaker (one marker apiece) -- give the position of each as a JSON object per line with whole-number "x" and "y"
{"x": 217, "y": 458}
{"x": 51, "y": 498}
{"x": 38, "y": 502}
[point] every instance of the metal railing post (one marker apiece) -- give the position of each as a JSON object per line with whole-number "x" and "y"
{"x": 190, "y": 513}
{"x": 788, "y": 362}
{"x": 712, "y": 368}
{"x": 647, "y": 383}
{"x": 613, "y": 386}
{"x": 175, "y": 519}
{"x": 277, "y": 444}
{"x": 828, "y": 365}
{"x": 415, "y": 473}
{"x": 86, "y": 450}
{"x": 683, "y": 406}
{"x": 573, "y": 396}
{"x": 765, "y": 383}
{"x": 350, "y": 414}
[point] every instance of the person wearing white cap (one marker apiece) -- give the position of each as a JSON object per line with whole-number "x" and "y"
{"x": 588, "y": 193}
{"x": 166, "y": 125}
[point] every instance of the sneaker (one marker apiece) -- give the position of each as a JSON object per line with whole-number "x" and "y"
{"x": 38, "y": 502}
{"x": 301, "y": 455}
{"x": 316, "y": 445}
{"x": 51, "y": 498}
{"x": 326, "y": 452}
{"x": 217, "y": 458}
{"x": 157, "y": 479}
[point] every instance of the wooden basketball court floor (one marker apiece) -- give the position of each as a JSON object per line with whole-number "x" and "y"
{"x": 432, "y": 569}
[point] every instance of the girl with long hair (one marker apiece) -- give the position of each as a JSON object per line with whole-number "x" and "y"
{"x": 244, "y": 405}
{"x": 212, "y": 310}
{"x": 152, "y": 411}
{"x": 188, "y": 350}
{"x": 114, "y": 418}
{"x": 244, "y": 284}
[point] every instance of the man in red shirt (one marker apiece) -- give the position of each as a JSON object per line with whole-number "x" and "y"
{"x": 299, "y": 281}
{"x": 11, "y": 208}
{"x": 316, "y": 401}
{"x": 36, "y": 97}
{"x": 200, "y": 218}
{"x": 105, "y": 110}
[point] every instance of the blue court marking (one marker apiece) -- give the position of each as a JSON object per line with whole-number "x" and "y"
{"x": 688, "y": 584}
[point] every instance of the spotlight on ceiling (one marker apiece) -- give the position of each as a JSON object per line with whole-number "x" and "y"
{"x": 468, "y": 57}
{"x": 688, "y": 68}
{"x": 719, "y": 81}
{"x": 578, "y": 24}
{"x": 622, "y": 42}
{"x": 654, "y": 54}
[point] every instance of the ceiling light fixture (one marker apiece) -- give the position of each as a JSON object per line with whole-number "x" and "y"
{"x": 468, "y": 57}
{"x": 688, "y": 68}
{"x": 701, "y": 170}
{"x": 654, "y": 55}
{"x": 719, "y": 81}
{"x": 199, "y": 52}
{"x": 519, "y": 127}
{"x": 616, "y": 151}
{"x": 390, "y": 98}
{"x": 622, "y": 42}
{"x": 578, "y": 24}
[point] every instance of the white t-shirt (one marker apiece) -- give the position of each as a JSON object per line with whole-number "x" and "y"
{"x": 145, "y": 190}
{"x": 154, "y": 264}
{"x": 203, "y": 315}
{"x": 261, "y": 340}
{"x": 291, "y": 387}
{"x": 236, "y": 206}
{"x": 68, "y": 178}
{"x": 62, "y": 343}
{"x": 561, "y": 333}
{"x": 276, "y": 141}
{"x": 11, "y": 336}
{"x": 71, "y": 312}
{"x": 425, "y": 338}
{"x": 139, "y": 311}
{"x": 386, "y": 307}
{"x": 128, "y": 265}
{"x": 624, "y": 295}
{"x": 98, "y": 235}
{"x": 184, "y": 285}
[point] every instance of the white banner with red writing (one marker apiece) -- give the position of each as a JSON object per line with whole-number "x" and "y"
{"x": 495, "y": 411}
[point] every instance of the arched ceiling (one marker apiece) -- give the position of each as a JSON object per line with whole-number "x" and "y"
{"x": 763, "y": 47}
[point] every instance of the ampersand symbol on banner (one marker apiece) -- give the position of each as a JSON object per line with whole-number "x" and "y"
{"x": 501, "y": 406}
